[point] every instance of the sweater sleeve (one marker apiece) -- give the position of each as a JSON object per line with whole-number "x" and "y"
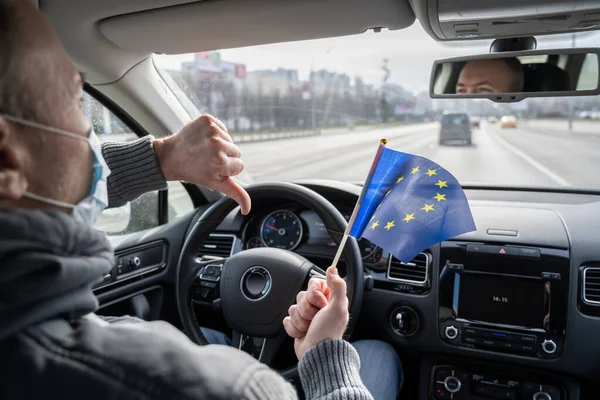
{"x": 328, "y": 371}
{"x": 331, "y": 371}
{"x": 134, "y": 170}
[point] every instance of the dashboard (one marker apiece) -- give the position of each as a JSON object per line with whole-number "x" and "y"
{"x": 513, "y": 293}
{"x": 290, "y": 227}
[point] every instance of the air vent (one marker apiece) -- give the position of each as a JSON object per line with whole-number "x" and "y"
{"x": 415, "y": 272}
{"x": 217, "y": 245}
{"x": 591, "y": 285}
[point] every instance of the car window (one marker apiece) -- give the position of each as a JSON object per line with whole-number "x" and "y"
{"x": 142, "y": 213}
{"x": 589, "y": 71}
{"x": 455, "y": 119}
{"x": 180, "y": 202}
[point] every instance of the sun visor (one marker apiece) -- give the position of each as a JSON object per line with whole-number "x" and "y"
{"x": 491, "y": 19}
{"x": 220, "y": 24}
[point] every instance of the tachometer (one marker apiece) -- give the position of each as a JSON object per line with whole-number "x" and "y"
{"x": 282, "y": 229}
{"x": 254, "y": 243}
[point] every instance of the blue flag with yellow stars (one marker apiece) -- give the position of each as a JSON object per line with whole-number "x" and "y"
{"x": 410, "y": 204}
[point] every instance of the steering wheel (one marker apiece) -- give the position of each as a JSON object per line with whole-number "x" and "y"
{"x": 259, "y": 285}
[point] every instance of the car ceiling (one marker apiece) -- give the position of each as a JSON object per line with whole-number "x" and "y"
{"x": 106, "y": 38}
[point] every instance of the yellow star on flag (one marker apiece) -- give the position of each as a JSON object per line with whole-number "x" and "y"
{"x": 414, "y": 170}
{"x": 390, "y": 225}
{"x": 400, "y": 179}
{"x": 442, "y": 184}
{"x": 440, "y": 197}
{"x": 375, "y": 225}
{"x": 372, "y": 218}
{"x": 428, "y": 207}
{"x": 388, "y": 192}
{"x": 431, "y": 172}
{"x": 409, "y": 217}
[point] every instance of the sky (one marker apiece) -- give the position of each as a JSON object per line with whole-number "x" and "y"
{"x": 410, "y": 53}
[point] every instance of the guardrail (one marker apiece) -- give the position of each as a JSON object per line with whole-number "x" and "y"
{"x": 264, "y": 136}
{"x": 259, "y": 137}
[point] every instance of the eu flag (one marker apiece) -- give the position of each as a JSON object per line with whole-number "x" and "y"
{"x": 410, "y": 204}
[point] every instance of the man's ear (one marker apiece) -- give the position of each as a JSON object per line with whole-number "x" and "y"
{"x": 13, "y": 182}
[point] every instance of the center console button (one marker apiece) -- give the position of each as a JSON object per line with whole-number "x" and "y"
{"x": 470, "y": 331}
{"x": 452, "y": 384}
{"x": 528, "y": 252}
{"x": 526, "y": 339}
{"x": 503, "y": 250}
{"x": 486, "y": 342}
{"x": 541, "y": 396}
{"x": 451, "y": 332}
{"x": 441, "y": 373}
{"x": 549, "y": 346}
{"x": 510, "y": 346}
{"x": 476, "y": 248}
{"x": 469, "y": 339}
{"x": 527, "y": 348}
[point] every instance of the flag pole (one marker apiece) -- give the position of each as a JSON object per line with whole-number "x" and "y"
{"x": 361, "y": 198}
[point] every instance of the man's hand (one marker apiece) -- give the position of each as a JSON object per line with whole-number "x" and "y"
{"x": 320, "y": 313}
{"x": 202, "y": 152}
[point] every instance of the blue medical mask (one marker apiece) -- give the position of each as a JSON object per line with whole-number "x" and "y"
{"x": 89, "y": 209}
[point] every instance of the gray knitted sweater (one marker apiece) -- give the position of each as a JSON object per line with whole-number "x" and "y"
{"x": 329, "y": 370}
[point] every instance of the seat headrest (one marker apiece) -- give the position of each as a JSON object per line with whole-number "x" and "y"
{"x": 546, "y": 78}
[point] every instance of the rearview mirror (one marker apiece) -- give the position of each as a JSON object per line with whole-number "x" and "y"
{"x": 513, "y": 76}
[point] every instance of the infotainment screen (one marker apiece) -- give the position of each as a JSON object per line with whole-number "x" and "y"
{"x": 501, "y": 299}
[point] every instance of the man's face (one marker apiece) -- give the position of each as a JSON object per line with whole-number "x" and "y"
{"x": 35, "y": 160}
{"x": 486, "y": 76}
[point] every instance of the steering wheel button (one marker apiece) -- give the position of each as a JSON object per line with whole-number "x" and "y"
{"x": 440, "y": 392}
{"x": 256, "y": 284}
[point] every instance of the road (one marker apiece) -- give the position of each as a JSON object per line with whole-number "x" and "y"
{"x": 537, "y": 153}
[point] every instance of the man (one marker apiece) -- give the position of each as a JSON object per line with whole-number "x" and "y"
{"x": 497, "y": 75}
{"x": 53, "y": 182}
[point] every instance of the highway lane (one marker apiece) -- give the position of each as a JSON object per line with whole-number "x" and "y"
{"x": 282, "y": 159}
{"x": 526, "y": 156}
{"x": 534, "y": 154}
{"x": 573, "y": 156}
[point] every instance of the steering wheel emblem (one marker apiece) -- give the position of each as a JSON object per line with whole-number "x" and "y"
{"x": 255, "y": 283}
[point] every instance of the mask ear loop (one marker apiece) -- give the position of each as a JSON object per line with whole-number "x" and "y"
{"x": 71, "y": 135}
{"x": 48, "y": 201}
{"x": 43, "y": 127}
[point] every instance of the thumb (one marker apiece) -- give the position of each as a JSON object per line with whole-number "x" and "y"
{"x": 337, "y": 288}
{"x": 233, "y": 189}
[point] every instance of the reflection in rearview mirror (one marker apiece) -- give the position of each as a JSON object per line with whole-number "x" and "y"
{"x": 571, "y": 72}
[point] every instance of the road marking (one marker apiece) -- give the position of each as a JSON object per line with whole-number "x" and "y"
{"x": 535, "y": 164}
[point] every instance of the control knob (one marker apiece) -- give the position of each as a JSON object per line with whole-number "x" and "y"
{"x": 451, "y": 332}
{"x": 549, "y": 346}
{"x": 452, "y": 384}
{"x": 135, "y": 262}
{"x": 541, "y": 396}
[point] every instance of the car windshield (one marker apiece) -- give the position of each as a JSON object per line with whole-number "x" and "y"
{"x": 317, "y": 109}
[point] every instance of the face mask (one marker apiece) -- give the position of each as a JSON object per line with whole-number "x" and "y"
{"x": 89, "y": 209}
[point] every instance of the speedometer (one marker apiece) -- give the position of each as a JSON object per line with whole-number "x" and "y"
{"x": 282, "y": 229}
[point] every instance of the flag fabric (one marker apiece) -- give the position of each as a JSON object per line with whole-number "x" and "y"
{"x": 410, "y": 204}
